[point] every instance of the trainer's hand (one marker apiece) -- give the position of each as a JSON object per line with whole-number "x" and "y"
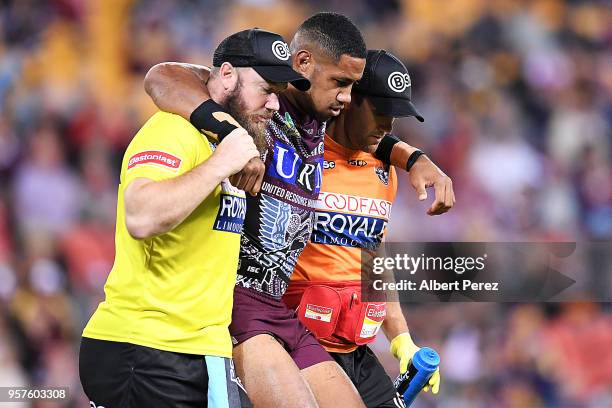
{"x": 403, "y": 348}
{"x": 250, "y": 177}
{"x": 424, "y": 173}
{"x": 235, "y": 151}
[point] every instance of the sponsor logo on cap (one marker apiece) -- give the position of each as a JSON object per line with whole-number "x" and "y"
{"x": 280, "y": 49}
{"x": 398, "y": 81}
{"x": 155, "y": 157}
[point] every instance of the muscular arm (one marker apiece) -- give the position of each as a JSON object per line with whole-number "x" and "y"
{"x": 400, "y": 154}
{"x": 155, "y": 207}
{"x": 177, "y": 87}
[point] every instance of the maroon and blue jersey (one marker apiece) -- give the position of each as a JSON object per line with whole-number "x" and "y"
{"x": 279, "y": 220}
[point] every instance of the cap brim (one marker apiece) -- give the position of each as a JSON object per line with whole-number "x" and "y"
{"x": 396, "y": 107}
{"x": 283, "y": 73}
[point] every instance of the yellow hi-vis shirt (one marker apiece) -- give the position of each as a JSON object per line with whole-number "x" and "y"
{"x": 174, "y": 291}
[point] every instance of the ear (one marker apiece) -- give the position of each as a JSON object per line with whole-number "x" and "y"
{"x": 303, "y": 62}
{"x": 228, "y": 76}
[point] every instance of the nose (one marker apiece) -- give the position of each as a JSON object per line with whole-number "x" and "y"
{"x": 272, "y": 102}
{"x": 344, "y": 96}
{"x": 386, "y": 124}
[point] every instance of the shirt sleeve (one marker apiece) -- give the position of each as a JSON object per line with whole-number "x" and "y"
{"x": 165, "y": 147}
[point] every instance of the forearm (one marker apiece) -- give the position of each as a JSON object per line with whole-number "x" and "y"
{"x": 392, "y": 150}
{"x": 400, "y": 154}
{"x": 394, "y": 323}
{"x": 177, "y": 87}
{"x": 156, "y": 207}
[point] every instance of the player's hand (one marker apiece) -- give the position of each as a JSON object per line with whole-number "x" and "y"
{"x": 424, "y": 173}
{"x": 250, "y": 177}
{"x": 403, "y": 348}
{"x": 235, "y": 151}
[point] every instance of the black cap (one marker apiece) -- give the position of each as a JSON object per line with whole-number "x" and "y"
{"x": 386, "y": 83}
{"x": 265, "y": 52}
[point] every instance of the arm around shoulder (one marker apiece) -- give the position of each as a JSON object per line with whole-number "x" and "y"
{"x": 177, "y": 87}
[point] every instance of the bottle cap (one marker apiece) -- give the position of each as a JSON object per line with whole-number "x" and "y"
{"x": 427, "y": 359}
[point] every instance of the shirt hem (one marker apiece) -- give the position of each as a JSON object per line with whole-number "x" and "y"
{"x": 157, "y": 346}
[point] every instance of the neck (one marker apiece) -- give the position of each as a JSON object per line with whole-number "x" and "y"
{"x": 300, "y": 100}
{"x": 216, "y": 91}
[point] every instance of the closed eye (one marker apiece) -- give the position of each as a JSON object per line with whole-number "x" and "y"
{"x": 344, "y": 82}
{"x": 276, "y": 88}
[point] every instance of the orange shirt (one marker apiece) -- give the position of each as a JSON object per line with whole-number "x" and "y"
{"x": 352, "y": 212}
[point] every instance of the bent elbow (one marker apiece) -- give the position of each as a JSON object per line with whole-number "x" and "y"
{"x": 138, "y": 228}
{"x": 141, "y": 226}
{"x": 152, "y": 79}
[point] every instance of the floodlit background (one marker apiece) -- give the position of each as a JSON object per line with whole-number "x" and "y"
{"x": 517, "y": 97}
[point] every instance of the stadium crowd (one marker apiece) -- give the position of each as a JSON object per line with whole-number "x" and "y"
{"x": 517, "y": 98}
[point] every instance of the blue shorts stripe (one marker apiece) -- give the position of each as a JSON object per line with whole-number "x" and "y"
{"x": 217, "y": 382}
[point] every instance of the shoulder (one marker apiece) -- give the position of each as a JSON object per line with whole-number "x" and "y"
{"x": 170, "y": 123}
{"x": 169, "y": 131}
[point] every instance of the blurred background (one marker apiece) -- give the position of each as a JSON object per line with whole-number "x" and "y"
{"x": 517, "y": 97}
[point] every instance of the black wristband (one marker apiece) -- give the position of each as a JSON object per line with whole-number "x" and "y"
{"x": 383, "y": 151}
{"x": 413, "y": 158}
{"x": 211, "y": 119}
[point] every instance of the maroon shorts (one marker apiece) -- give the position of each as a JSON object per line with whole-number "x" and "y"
{"x": 255, "y": 313}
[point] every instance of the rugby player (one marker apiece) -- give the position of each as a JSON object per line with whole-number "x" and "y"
{"x": 160, "y": 338}
{"x": 280, "y": 363}
{"x": 352, "y": 213}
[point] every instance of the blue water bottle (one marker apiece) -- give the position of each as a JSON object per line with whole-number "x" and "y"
{"x": 424, "y": 362}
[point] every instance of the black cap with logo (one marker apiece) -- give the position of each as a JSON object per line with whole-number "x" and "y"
{"x": 265, "y": 52}
{"x": 386, "y": 83}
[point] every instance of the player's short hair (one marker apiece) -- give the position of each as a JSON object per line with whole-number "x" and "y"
{"x": 333, "y": 33}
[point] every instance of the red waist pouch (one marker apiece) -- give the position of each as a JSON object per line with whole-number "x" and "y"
{"x": 337, "y": 313}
